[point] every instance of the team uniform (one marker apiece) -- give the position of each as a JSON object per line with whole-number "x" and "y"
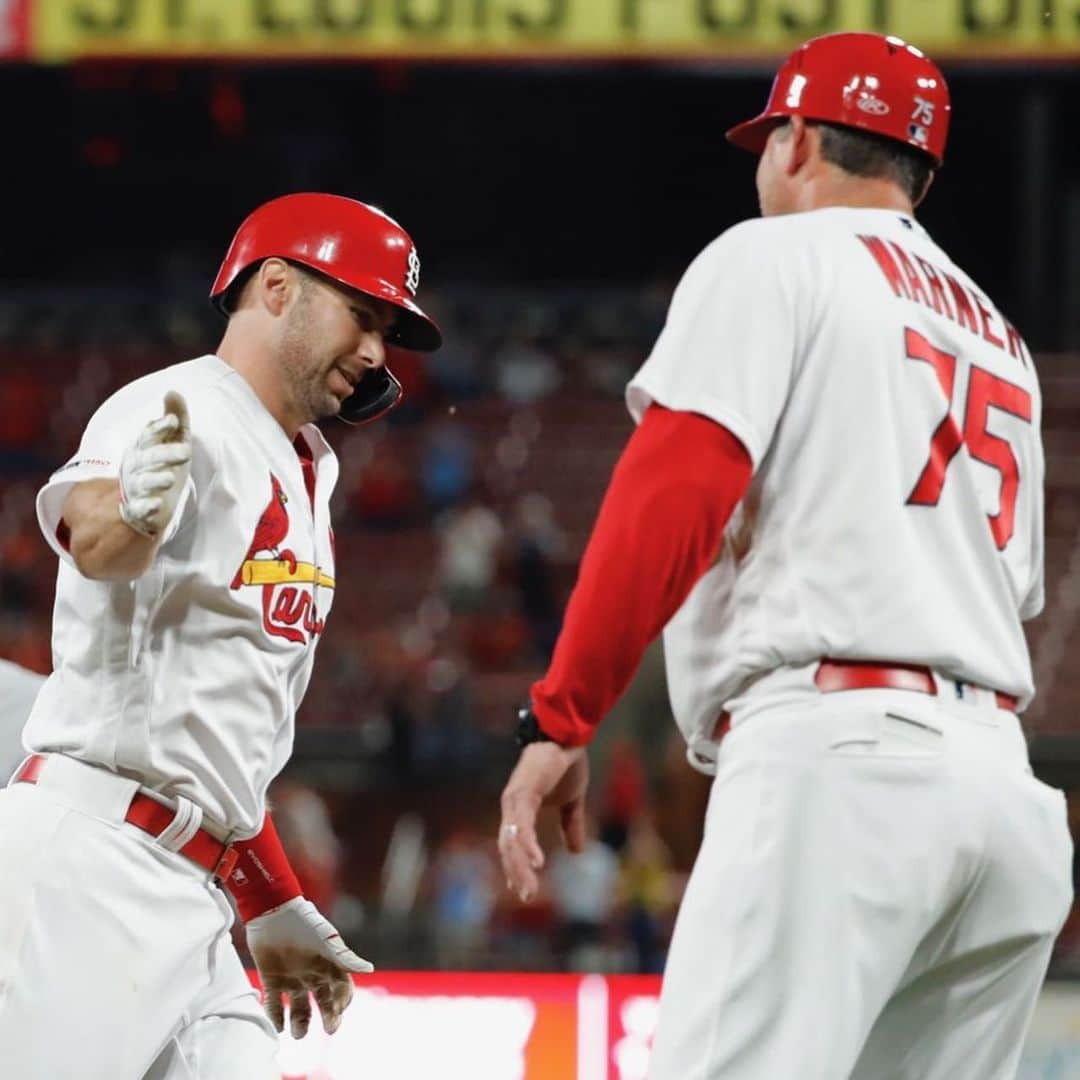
{"x": 904, "y": 827}
{"x": 832, "y": 505}
{"x": 794, "y": 334}
{"x": 18, "y": 689}
{"x": 171, "y": 709}
{"x": 184, "y": 682}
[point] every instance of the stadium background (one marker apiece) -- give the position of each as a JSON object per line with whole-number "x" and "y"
{"x": 558, "y": 162}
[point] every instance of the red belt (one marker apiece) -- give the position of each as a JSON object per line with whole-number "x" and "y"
{"x": 203, "y": 849}
{"x": 834, "y": 675}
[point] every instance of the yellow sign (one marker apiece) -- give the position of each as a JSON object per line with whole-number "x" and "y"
{"x": 701, "y": 29}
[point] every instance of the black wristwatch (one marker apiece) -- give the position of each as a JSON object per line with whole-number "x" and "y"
{"x": 528, "y": 728}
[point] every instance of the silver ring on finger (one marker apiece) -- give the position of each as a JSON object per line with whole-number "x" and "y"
{"x": 509, "y": 830}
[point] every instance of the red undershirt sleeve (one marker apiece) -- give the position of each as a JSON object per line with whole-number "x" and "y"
{"x": 659, "y": 529}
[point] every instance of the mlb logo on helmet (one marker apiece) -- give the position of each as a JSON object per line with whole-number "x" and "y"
{"x": 922, "y": 116}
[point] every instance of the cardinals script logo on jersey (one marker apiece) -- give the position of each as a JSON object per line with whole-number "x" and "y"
{"x": 289, "y": 610}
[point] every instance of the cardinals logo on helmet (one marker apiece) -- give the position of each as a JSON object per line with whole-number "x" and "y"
{"x": 412, "y": 278}
{"x": 289, "y": 610}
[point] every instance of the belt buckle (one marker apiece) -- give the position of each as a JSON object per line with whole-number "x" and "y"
{"x": 226, "y": 863}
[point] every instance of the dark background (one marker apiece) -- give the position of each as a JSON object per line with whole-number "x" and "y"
{"x": 136, "y": 174}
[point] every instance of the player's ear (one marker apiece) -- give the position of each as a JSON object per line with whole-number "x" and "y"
{"x": 276, "y": 281}
{"x": 926, "y": 187}
{"x": 804, "y": 140}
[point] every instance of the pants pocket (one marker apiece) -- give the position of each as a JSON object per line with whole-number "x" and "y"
{"x": 889, "y": 734}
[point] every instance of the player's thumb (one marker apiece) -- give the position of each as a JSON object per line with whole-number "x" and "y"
{"x": 351, "y": 962}
{"x": 177, "y": 406}
{"x": 345, "y": 958}
{"x": 573, "y": 825}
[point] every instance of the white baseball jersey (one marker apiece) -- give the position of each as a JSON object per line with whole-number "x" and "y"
{"x": 18, "y": 689}
{"x": 892, "y": 416}
{"x": 189, "y": 677}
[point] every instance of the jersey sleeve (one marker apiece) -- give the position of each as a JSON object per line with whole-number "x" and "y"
{"x": 110, "y": 431}
{"x": 1035, "y": 597}
{"x": 659, "y": 529}
{"x": 728, "y": 347}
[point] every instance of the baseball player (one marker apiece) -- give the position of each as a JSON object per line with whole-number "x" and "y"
{"x": 196, "y": 575}
{"x": 832, "y": 505}
{"x": 18, "y": 689}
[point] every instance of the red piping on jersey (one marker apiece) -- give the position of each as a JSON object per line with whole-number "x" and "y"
{"x": 659, "y": 529}
{"x": 307, "y": 467}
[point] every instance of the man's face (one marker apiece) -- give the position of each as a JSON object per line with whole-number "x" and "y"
{"x": 774, "y": 184}
{"x": 330, "y": 338}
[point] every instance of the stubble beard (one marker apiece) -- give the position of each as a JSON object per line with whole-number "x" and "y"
{"x": 303, "y": 371}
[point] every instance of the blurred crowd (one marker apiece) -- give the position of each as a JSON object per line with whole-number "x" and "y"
{"x": 464, "y": 512}
{"x": 459, "y": 523}
{"x": 439, "y": 900}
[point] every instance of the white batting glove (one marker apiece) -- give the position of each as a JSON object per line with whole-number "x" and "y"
{"x": 155, "y": 468}
{"x": 298, "y": 952}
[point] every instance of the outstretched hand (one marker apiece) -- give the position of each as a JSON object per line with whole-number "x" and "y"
{"x": 155, "y": 469}
{"x": 299, "y": 953}
{"x": 546, "y": 775}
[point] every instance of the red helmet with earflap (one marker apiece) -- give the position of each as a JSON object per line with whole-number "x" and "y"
{"x": 353, "y": 244}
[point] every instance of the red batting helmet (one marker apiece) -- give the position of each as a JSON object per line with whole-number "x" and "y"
{"x": 865, "y": 81}
{"x": 354, "y": 245}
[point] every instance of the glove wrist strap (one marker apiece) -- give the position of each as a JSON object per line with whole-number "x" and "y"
{"x": 262, "y": 878}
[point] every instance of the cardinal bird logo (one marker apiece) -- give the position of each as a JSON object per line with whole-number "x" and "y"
{"x": 271, "y": 531}
{"x": 288, "y": 610}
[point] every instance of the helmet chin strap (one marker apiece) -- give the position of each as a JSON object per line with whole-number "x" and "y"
{"x": 377, "y": 392}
